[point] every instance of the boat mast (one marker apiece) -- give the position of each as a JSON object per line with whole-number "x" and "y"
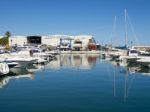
{"x": 114, "y": 27}
{"x": 126, "y": 34}
{"x": 114, "y": 30}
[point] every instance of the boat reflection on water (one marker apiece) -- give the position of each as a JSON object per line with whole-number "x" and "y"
{"x": 5, "y": 79}
{"x": 139, "y": 70}
{"x": 77, "y": 61}
{"x": 132, "y": 68}
{"x": 19, "y": 73}
{"x": 130, "y": 72}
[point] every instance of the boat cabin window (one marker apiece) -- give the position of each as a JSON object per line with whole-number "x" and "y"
{"x": 35, "y": 51}
{"x": 21, "y": 48}
{"x": 133, "y": 51}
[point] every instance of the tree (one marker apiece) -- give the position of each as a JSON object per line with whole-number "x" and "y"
{"x": 5, "y": 40}
{"x": 7, "y": 34}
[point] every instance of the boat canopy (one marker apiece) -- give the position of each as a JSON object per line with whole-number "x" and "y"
{"x": 125, "y": 47}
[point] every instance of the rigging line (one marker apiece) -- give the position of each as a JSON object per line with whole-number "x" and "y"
{"x": 114, "y": 81}
{"x": 113, "y": 40}
{"x": 125, "y": 85}
{"x": 114, "y": 31}
{"x": 130, "y": 85}
{"x": 133, "y": 31}
{"x": 126, "y": 34}
{"x": 111, "y": 34}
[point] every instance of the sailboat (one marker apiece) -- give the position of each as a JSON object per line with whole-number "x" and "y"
{"x": 132, "y": 54}
{"x": 120, "y": 50}
{"x": 125, "y": 47}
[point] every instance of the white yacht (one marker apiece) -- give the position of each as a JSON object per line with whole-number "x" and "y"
{"x": 35, "y": 53}
{"x": 44, "y": 55}
{"x": 144, "y": 61}
{"x": 20, "y": 59}
{"x": 4, "y": 69}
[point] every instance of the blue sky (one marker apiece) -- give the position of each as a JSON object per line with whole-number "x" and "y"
{"x": 76, "y": 17}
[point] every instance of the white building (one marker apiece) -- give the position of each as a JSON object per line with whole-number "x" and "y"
{"x": 82, "y": 41}
{"x": 63, "y": 41}
{"x": 52, "y": 40}
{"x": 144, "y": 48}
{"x": 17, "y": 40}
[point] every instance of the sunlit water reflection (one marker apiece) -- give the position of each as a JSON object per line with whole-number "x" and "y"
{"x": 76, "y": 83}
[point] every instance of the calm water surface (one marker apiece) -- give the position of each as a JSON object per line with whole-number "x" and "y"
{"x": 75, "y": 83}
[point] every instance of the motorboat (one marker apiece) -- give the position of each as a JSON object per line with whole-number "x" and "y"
{"x": 21, "y": 62}
{"x": 40, "y": 60}
{"x": 145, "y": 61}
{"x": 11, "y": 64}
{"x": 41, "y": 54}
{"x": 4, "y": 69}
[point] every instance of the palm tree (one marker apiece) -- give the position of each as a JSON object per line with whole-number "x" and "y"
{"x": 7, "y": 34}
{"x": 5, "y": 40}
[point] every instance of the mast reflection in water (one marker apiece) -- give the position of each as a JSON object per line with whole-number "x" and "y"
{"x": 82, "y": 83}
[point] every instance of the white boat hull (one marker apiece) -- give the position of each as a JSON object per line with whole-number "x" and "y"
{"x": 4, "y": 69}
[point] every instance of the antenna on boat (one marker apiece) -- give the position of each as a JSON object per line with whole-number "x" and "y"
{"x": 126, "y": 34}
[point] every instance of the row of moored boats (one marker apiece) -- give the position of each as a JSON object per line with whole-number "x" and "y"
{"x": 132, "y": 57}
{"x": 24, "y": 56}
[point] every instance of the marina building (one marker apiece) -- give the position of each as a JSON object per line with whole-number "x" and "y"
{"x": 143, "y": 48}
{"x": 17, "y": 40}
{"x": 63, "y": 42}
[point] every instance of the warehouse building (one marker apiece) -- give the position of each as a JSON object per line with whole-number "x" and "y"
{"x": 63, "y": 42}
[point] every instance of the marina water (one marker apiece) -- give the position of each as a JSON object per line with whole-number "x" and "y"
{"x": 76, "y": 83}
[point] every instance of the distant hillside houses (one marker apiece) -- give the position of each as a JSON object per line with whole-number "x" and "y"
{"x": 63, "y": 42}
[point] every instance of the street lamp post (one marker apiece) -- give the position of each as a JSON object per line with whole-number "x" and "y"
{"x": 131, "y": 44}
{"x": 11, "y": 44}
